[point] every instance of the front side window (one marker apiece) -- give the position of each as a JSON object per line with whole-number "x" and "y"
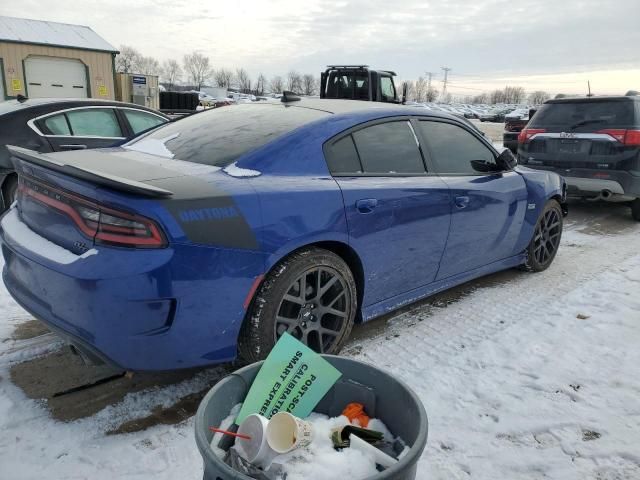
{"x": 94, "y": 122}
{"x": 141, "y": 121}
{"x": 389, "y": 148}
{"x": 453, "y": 148}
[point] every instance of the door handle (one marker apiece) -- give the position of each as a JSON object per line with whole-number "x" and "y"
{"x": 73, "y": 147}
{"x": 461, "y": 201}
{"x": 366, "y": 205}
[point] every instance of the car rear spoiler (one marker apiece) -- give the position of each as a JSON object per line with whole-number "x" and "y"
{"x": 87, "y": 174}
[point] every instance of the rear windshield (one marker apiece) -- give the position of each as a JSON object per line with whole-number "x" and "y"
{"x": 585, "y": 116}
{"x": 220, "y": 136}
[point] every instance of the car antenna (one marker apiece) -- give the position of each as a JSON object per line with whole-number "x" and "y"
{"x": 288, "y": 96}
{"x": 21, "y": 98}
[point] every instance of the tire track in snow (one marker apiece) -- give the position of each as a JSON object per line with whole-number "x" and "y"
{"x": 439, "y": 333}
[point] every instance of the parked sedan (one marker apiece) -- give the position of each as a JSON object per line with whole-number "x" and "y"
{"x": 49, "y": 125}
{"x": 221, "y": 232}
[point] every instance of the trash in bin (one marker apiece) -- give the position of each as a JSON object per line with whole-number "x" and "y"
{"x": 295, "y": 445}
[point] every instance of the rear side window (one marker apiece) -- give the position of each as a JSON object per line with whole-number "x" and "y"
{"x": 342, "y": 156}
{"x": 141, "y": 121}
{"x": 220, "y": 136}
{"x": 585, "y": 116}
{"x": 57, "y": 125}
{"x": 94, "y": 122}
{"x": 453, "y": 148}
{"x": 389, "y": 148}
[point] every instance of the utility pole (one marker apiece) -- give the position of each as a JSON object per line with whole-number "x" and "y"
{"x": 444, "y": 82}
{"x": 429, "y": 76}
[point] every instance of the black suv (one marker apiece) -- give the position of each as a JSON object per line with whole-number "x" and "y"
{"x": 594, "y": 142}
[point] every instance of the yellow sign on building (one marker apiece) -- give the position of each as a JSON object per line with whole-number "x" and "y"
{"x": 16, "y": 85}
{"x": 103, "y": 91}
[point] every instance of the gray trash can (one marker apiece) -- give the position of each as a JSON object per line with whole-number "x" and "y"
{"x": 390, "y": 400}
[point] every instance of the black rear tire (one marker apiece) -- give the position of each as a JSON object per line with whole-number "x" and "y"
{"x": 635, "y": 209}
{"x": 546, "y": 238}
{"x": 311, "y": 295}
{"x": 9, "y": 190}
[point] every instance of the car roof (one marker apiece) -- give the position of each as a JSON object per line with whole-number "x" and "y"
{"x": 604, "y": 98}
{"x": 10, "y": 106}
{"x": 337, "y": 107}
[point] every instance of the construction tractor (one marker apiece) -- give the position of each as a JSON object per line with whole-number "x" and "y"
{"x": 358, "y": 82}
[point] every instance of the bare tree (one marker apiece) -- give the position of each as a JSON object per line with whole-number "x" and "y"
{"x": 171, "y": 72}
{"x": 223, "y": 77}
{"x": 128, "y": 60}
{"x": 276, "y": 85}
{"x": 309, "y": 84}
{"x": 513, "y": 94}
{"x": 198, "y": 68}
{"x": 481, "y": 98}
{"x": 294, "y": 81}
{"x": 420, "y": 90}
{"x": 538, "y": 97}
{"x": 497, "y": 96}
{"x": 260, "y": 84}
{"x": 244, "y": 82}
{"x": 149, "y": 66}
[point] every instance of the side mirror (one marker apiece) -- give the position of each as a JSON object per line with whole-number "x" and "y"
{"x": 506, "y": 160}
{"x": 484, "y": 167}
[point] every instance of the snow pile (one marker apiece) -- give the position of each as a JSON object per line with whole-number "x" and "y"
{"x": 21, "y": 234}
{"x": 153, "y": 146}
{"x": 235, "y": 171}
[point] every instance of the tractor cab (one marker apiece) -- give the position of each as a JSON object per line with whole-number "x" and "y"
{"x": 358, "y": 82}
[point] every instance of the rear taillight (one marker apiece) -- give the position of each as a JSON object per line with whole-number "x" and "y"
{"x": 105, "y": 225}
{"x": 527, "y": 133}
{"x": 626, "y": 137}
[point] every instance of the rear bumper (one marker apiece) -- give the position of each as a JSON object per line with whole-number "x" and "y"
{"x": 584, "y": 182}
{"x": 162, "y": 309}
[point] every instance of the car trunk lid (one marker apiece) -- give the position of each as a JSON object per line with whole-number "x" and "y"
{"x": 60, "y": 196}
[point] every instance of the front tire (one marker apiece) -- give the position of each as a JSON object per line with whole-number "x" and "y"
{"x": 635, "y": 209}
{"x": 546, "y": 238}
{"x": 311, "y": 295}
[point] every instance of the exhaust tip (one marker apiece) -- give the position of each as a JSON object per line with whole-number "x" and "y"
{"x": 606, "y": 194}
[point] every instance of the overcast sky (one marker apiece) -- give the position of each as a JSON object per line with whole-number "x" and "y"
{"x": 555, "y": 45}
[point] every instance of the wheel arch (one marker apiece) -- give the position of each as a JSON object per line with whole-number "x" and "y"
{"x": 342, "y": 250}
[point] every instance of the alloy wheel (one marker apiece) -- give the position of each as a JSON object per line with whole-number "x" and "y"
{"x": 547, "y": 237}
{"x": 315, "y": 309}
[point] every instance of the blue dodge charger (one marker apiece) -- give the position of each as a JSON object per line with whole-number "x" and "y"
{"x": 212, "y": 236}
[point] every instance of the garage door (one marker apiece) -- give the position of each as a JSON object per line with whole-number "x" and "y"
{"x": 55, "y": 77}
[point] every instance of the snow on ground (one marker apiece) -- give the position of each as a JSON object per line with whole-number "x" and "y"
{"x": 534, "y": 377}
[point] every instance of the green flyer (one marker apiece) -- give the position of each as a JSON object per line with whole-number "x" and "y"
{"x": 292, "y": 379}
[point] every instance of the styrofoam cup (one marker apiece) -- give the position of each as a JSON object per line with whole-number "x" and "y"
{"x": 256, "y": 451}
{"x": 286, "y": 432}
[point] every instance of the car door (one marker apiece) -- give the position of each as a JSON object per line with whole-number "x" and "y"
{"x": 487, "y": 209}
{"x": 139, "y": 121}
{"x": 397, "y": 212}
{"x": 82, "y": 128}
